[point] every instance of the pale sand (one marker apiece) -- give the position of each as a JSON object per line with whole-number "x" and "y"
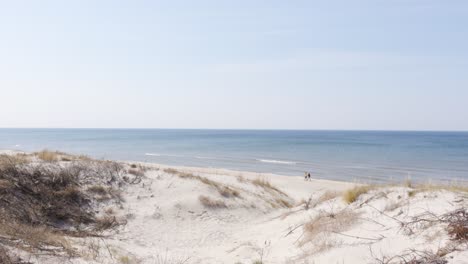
{"x": 167, "y": 221}
{"x": 168, "y": 224}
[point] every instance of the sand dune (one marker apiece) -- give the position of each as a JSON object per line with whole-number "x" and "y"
{"x": 199, "y": 215}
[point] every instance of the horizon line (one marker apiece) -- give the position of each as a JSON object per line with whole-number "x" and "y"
{"x": 234, "y": 129}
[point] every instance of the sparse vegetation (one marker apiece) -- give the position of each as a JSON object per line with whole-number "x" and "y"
{"x": 266, "y": 184}
{"x": 224, "y": 190}
{"x": 17, "y": 159}
{"x": 106, "y": 222}
{"x": 326, "y": 223}
{"x": 136, "y": 172}
{"x": 240, "y": 178}
{"x": 6, "y": 258}
{"x": 457, "y": 226}
{"x": 109, "y": 211}
{"x": 351, "y": 195}
{"x": 283, "y": 202}
{"x": 42, "y": 204}
{"x": 211, "y": 203}
{"x": 418, "y": 188}
{"x": 49, "y": 156}
{"x": 98, "y": 189}
{"x": 166, "y": 259}
{"x": 412, "y": 256}
{"x": 311, "y": 202}
{"x": 228, "y": 191}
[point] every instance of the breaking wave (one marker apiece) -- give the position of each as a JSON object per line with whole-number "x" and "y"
{"x": 278, "y": 161}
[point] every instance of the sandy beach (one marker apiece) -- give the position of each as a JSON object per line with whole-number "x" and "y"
{"x": 200, "y": 215}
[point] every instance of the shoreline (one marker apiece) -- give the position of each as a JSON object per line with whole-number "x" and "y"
{"x": 300, "y": 185}
{"x": 368, "y": 180}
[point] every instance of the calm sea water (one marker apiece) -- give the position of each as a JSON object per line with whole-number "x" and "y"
{"x": 342, "y": 155}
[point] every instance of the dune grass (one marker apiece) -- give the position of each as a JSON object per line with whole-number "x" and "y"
{"x": 47, "y": 155}
{"x": 318, "y": 230}
{"x": 211, "y": 203}
{"x": 223, "y": 189}
{"x": 351, "y": 195}
{"x": 43, "y": 205}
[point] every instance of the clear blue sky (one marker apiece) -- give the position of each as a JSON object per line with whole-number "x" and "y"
{"x": 376, "y": 64}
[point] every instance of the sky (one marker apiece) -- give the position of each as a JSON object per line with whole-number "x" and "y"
{"x": 244, "y": 64}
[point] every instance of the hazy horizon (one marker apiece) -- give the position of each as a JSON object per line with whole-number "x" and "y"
{"x": 228, "y": 129}
{"x": 321, "y": 65}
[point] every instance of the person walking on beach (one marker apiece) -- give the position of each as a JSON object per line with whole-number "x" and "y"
{"x": 307, "y": 176}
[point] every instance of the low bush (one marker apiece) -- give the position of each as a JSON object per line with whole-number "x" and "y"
{"x": 43, "y": 202}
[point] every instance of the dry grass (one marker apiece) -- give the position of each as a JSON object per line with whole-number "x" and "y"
{"x": 136, "y": 172}
{"x": 325, "y": 224}
{"x": 43, "y": 204}
{"x": 43, "y": 195}
{"x": 351, "y": 195}
{"x": 326, "y": 196}
{"x": 83, "y": 158}
{"x": 4, "y": 184}
{"x": 280, "y": 199}
{"x": 127, "y": 259}
{"x": 98, "y": 189}
{"x": 457, "y": 226}
{"x": 106, "y": 222}
{"x": 17, "y": 159}
{"x": 109, "y": 211}
{"x": 34, "y": 238}
{"x": 241, "y": 179}
{"x": 413, "y": 256}
{"x": 211, "y": 203}
{"x": 227, "y": 191}
{"x": 6, "y": 258}
{"x": 266, "y": 184}
{"x": 283, "y": 202}
{"x": 452, "y": 187}
{"x": 463, "y": 188}
{"x": 49, "y": 156}
{"x": 54, "y": 156}
{"x": 171, "y": 171}
{"x": 224, "y": 190}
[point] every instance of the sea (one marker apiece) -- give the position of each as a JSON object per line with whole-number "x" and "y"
{"x": 368, "y": 156}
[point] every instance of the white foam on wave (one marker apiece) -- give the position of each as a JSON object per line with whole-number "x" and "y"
{"x": 203, "y": 157}
{"x": 152, "y": 154}
{"x": 277, "y": 161}
{"x": 163, "y": 155}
